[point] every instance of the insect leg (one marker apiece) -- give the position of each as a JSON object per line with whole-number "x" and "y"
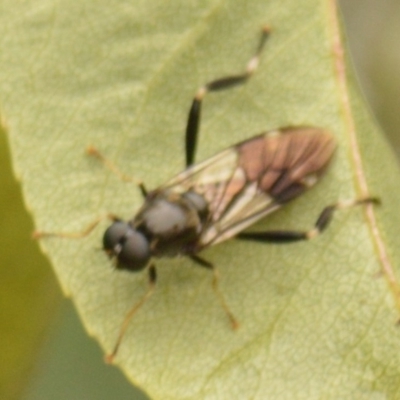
{"x": 152, "y": 282}
{"x": 215, "y": 283}
{"x": 321, "y": 224}
{"x": 76, "y": 235}
{"x": 92, "y": 151}
{"x": 193, "y": 123}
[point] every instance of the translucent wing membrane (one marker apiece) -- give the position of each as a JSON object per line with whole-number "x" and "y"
{"x": 246, "y": 182}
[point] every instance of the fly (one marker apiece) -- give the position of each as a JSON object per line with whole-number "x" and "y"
{"x": 219, "y": 198}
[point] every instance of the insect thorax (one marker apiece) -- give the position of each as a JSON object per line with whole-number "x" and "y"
{"x": 172, "y": 222}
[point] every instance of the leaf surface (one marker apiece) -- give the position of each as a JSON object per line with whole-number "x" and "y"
{"x": 315, "y": 320}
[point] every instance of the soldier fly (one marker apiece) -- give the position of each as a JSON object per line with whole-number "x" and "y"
{"x": 217, "y": 199}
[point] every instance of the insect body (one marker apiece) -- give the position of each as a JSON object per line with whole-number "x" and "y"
{"x": 216, "y": 199}
{"x": 219, "y": 198}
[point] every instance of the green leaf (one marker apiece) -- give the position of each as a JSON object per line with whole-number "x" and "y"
{"x": 315, "y": 320}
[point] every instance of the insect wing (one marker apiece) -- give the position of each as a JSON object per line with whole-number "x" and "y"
{"x": 230, "y": 198}
{"x": 248, "y": 181}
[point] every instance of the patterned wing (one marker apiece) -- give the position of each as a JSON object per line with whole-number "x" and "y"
{"x": 248, "y": 181}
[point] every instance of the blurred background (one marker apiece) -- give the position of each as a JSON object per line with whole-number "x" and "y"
{"x": 373, "y": 32}
{"x": 46, "y": 354}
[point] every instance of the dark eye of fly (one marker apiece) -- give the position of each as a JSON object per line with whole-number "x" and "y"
{"x": 129, "y": 246}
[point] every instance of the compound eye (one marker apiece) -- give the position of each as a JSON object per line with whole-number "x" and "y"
{"x": 135, "y": 252}
{"x": 129, "y": 246}
{"x": 114, "y": 235}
